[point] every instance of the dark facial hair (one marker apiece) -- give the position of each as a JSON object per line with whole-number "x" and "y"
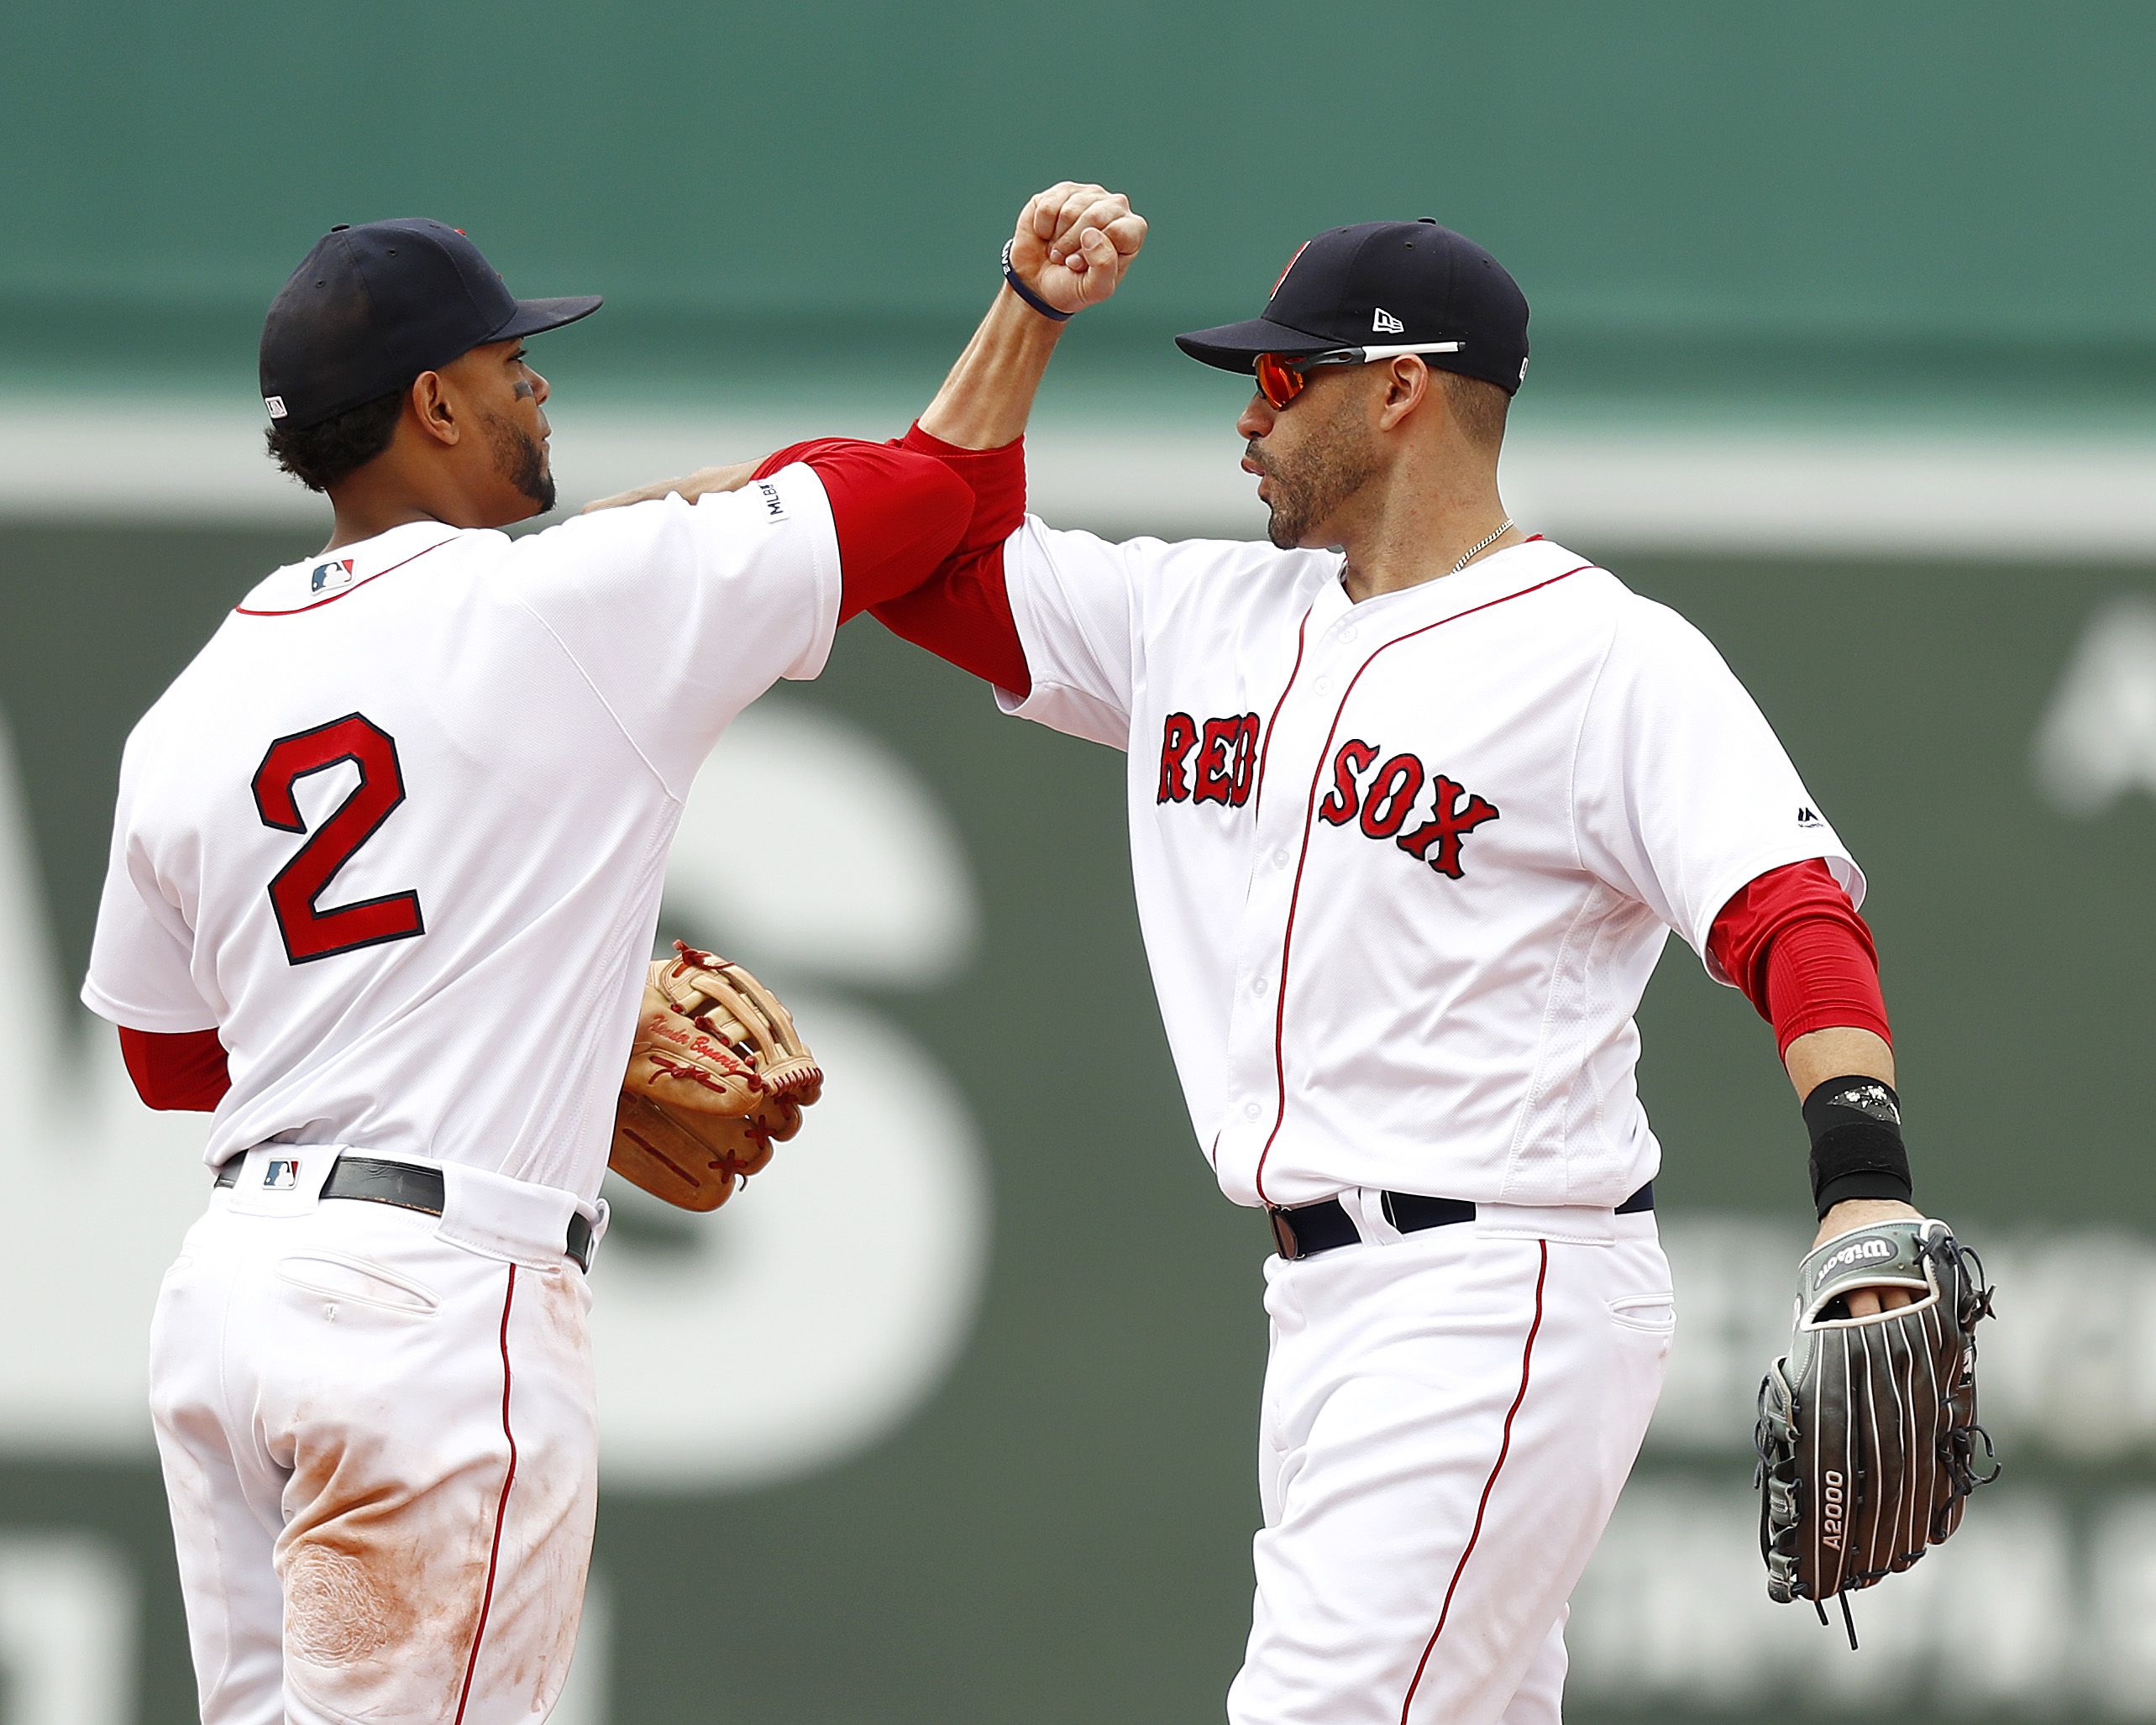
{"x": 522, "y": 460}
{"x": 1333, "y": 464}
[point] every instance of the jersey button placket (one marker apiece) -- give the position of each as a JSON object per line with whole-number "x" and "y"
{"x": 1298, "y": 727}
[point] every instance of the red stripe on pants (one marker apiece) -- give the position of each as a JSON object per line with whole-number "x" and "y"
{"x": 502, "y": 1506}
{"x": 1505, "y": 1448}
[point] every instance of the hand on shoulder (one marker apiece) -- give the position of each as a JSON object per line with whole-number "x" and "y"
{"x": 702, "y": 483}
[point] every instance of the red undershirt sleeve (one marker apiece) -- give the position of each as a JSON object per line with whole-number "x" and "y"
{"x": 897, "y": 513}
{"x": 1794, "y": 944}
{"x": 963, "y": 614}
{"x": 183, "y": 1070}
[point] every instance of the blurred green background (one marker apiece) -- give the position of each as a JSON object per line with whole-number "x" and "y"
{"x": 1943, "y": 195}
{"x": 1844, "y": 344}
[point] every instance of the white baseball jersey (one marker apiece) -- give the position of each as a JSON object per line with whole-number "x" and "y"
{"x": 399, "y": 831}
{"x": 1404, "y": 867}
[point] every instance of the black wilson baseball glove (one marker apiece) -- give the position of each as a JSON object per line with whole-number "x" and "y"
{"x": 717, "y": 1075}
{"x": 1867, "y": 1433}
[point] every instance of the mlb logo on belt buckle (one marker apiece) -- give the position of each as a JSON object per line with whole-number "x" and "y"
{"x": 281, "y": 1176}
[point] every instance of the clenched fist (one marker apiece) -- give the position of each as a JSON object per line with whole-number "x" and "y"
{"x": 1074, "y": 241}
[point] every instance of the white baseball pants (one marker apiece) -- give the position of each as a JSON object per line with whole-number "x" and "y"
{"x": 1447, "y": 1419}
{"x": 378, "y": 1433}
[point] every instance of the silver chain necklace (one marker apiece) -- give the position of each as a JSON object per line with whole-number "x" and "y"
{"x": 1479, "y": 546}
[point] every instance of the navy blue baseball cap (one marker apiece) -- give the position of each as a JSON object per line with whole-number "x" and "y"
{"x": 1385, "y": 285}
{"x": 373, "y": 305}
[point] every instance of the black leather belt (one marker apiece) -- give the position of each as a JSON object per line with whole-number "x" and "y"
{"x": 1307, "y": 1230}
{"x": 409, "y": 1188}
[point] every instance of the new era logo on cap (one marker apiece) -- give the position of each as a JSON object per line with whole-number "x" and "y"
{"x": 1376, "y": 285}
{"x": 275, "y": 404}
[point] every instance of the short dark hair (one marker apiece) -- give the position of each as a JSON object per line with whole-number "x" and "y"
{"x": 1479, "y": 408}
{"x": 320, "y": 456}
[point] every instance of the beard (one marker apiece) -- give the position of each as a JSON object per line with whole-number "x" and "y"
{"x": 1309, "y": 487}
{"x": 521, "y": 459}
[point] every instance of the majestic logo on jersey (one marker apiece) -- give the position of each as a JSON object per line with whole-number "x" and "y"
{"x": 281, "y": 1176}
{"x": 1385, "y": 323}
{"x": 1214, "y": 763}
{"x": 1808, "y": 817}
{"x": 1379, "y": 798}
{"x": 336, "y": 573}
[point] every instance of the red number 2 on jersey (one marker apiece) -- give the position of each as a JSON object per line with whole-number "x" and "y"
{"x": 310, "y": 934}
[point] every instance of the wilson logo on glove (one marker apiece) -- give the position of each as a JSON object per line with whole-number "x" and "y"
{"x": 1867, "y": 1433}
{"x": 1864, "y": 1251}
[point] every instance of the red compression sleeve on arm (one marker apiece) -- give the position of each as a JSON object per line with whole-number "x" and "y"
{"x": 898, "y": 513}
{"x": 962, "y": 615}
{"x": 183, "y": 1071}
{"x": 1794, "y": 944}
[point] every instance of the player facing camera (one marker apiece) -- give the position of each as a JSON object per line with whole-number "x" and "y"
{"x": 396, "y": 379}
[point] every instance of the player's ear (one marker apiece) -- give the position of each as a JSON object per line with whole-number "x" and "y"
{"x": 429, "y": 401}
{"x": 1408, "y": 384}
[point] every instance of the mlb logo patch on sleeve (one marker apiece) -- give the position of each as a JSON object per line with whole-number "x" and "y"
{"x": 336, "y": 573}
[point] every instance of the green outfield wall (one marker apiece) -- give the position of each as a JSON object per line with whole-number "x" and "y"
{"x": 951, "y": 1418}
{"x": 1934, "y": 201}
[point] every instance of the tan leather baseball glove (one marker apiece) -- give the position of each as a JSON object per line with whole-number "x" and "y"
{"x": 717, "y": 1075}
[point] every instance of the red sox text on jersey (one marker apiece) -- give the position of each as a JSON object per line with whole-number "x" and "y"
{"x": 1377, "y": 796}
{"x": 1403, "y": 866}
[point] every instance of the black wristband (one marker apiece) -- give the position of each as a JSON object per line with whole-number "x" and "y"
{"x": 1855, "y": 1125}
{"x": 1026, "y": 293}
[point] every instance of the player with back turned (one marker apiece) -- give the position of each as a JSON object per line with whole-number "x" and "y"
{"x": 1415, "y": 799}
{"x": 384, "y": 875}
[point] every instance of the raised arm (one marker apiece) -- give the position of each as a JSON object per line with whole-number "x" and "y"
{"x": 1070, "y": 249}
{"x": 897, "y": 512}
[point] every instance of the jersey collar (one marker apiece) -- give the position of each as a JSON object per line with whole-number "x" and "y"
{"x": 329, "y": 576}
{"x": 1489, "y": 578}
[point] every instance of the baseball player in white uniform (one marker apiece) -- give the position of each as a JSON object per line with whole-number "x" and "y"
{"x": 1415, "y": 799}
{"x": 384, "y": 874}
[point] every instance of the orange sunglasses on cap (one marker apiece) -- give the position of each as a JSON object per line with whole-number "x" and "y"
{"x": 1280, "y": 377}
